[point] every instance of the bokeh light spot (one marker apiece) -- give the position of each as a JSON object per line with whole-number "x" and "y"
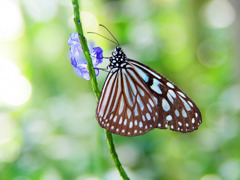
{"x": 9, "y": 144}
{"x": 218, "y": 14}
{"x": 89, "y": 22}
{"x": 54, "y": 42}
{"x": 212, "y": 52}
{"x": 141, "y": 34}
{"x": 12, "y": 26}
{"x": 230, "y": 170}
{"x": 15, "y": 89}
{"x": 231, "y": 98}
{"x": 41, "y": 10}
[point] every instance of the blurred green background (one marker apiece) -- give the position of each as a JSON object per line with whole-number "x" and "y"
{"x": 48, "y": 129}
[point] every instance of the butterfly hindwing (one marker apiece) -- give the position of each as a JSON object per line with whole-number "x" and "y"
{"x": 126, "y": 106}
{"x": 176, "y": 109}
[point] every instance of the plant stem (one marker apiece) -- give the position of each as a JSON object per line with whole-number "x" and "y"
{"x": 96, "y": 89}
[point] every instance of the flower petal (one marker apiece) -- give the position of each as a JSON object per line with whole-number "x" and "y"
{"x": 77, "y": 57}
{"x": 82, "y": 71}
{"x": 73, "y": 39}
{"x": 96, "y": 71}
{"x": 97, "y": 55}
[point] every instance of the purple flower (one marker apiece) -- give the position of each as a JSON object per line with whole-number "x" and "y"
{"x": 77, "y": 57}
{"x": 97, "y": 55}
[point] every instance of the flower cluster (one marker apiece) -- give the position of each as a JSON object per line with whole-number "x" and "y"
{"x": 77, "y": 57}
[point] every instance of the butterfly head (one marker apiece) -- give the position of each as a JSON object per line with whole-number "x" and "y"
{"x": 118, "y": 58}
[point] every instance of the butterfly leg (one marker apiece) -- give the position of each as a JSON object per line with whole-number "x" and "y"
{"x": 103, "y": 69}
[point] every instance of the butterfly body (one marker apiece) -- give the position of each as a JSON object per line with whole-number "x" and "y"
{"x": 136, "y": 99}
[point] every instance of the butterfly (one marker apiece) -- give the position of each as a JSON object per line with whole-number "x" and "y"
{"x": 136, "y": 99}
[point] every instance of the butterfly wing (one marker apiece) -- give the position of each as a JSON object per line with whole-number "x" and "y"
{"x": 126, "y": 106}
{"x": 176, "y": 109}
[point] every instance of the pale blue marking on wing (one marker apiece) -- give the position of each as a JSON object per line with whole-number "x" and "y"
{"x": 165, "y": 105}
{"x": 156, "y": 86}
{"x": 142, "y": 74}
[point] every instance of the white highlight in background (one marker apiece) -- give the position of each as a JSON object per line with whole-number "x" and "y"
{"x": 15, "y": 89}
{"x": 89, "y": 22}
{"x": 12, "y": 26}
{"x": 219, "y": 14}
{"x": 41, "y": 10}
{"x": 9, "y": 140}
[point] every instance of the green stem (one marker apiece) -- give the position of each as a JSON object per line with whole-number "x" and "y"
{"x": 96, "y": 89}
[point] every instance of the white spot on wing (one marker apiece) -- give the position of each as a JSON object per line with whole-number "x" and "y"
{"x": 121, "y": 106}
{"x": 136, "y": 110}
{"x": 172, "y": 93}
{"x": 131, "y": 124}
{"x": 120, "y": 121}
{"x": 186, "y": 104}
{"x": 165, "y": 105}
{"x": 170, "y": 98}
{"x": 142, "y": 74}
{"x": 111, "y": 116}
{"x": 115, "y": 119}
{"x": 189, "y": 102}
{"x": 132, "y": 85}
{"x": 140, "y": 124}
{"x": 151, "y": 102}
{"x": 170, "y": 85}
{"x": 148, "y": 116}
{"x": 196, "y": 114}
{"x": 128, "y": 113}
{"x": 184, "y": 114}
{"x": 181, "y": 94}
{"x": 169, "y": 118}
{"x": 149, "y": 107}
{"x": 140, "y": 91}
{"x": 135, "y": 122}
{"x": 155, "y": 99}
{"x": 156, "y": 86}
{"x": 177, "y": 113}
{"x": 127, "y": 91}
{"x": 140, "y": 102}
{"x": 193, "y": 120}
{"x": 179, "y": 123}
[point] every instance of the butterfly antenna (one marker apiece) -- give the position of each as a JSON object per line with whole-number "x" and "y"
{"x": 110, "y": 33}
{"x": 103, "y": 37}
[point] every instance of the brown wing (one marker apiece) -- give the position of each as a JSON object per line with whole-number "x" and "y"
{"x": 176, "y": 109}
{"x": 126, "y": 106}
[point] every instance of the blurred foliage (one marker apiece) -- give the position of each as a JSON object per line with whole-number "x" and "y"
{"x": 48, "y": 129}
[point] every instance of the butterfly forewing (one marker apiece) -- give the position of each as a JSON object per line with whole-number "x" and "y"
{"x": 126, "y": 106}
{"x": 175, "y": 108}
